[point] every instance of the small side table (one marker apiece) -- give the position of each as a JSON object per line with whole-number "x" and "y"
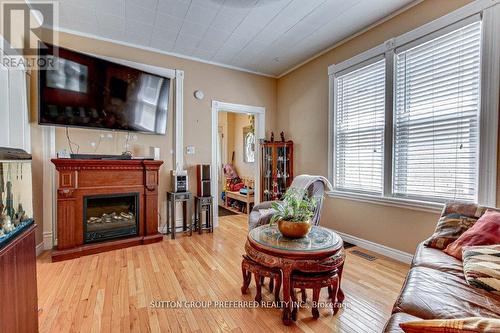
{"x": 203, "y": 204}
{"x": 172, "y": 199}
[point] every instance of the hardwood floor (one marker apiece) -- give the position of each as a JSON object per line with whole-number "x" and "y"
{"x": 112, "y": 291}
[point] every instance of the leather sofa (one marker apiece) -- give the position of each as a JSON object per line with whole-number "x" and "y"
{"x": 435, "y": 288}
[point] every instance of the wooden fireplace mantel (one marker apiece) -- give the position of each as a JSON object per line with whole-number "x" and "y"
{"x": 80, "y": 178}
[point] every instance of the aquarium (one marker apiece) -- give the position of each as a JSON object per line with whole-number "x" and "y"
{"x": 16, "y": 195}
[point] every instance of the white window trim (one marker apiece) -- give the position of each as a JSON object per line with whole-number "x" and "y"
{"x": 490, "y": 87}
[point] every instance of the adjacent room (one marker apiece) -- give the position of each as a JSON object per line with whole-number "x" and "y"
{"x": 237, "y": 168}
{"x": 250, "y": 166}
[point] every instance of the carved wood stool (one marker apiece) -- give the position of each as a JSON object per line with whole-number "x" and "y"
{"x": 315, "y": 282}
{"x": 248, "y": 266}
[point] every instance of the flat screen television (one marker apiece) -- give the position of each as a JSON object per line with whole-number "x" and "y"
{"x": 86, "y": 91}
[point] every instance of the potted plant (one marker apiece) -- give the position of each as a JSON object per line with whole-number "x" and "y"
{"x": 294, "y": 213}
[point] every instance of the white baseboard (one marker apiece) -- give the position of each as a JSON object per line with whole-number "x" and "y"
{"x": 377, "y": 248}
{"x": 47, "y": 240}
{"x": 39, "y": 249}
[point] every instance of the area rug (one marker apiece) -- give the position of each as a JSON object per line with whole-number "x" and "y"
{"x": 225, "y": 212}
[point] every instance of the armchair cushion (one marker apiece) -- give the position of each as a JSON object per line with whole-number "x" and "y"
{"x": 260, "y": 215}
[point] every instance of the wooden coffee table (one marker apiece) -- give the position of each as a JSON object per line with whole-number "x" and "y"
{"x": 322, "y": 250}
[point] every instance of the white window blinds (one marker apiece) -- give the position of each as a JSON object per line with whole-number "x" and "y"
{"x": 359, "y": 129}
{"x": 436, "y": 119}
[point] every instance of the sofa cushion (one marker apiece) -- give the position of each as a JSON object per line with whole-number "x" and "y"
{"x": 448, "y": 229}
{"x": 429, "y": 294}
{"x": 461, "y": 325}
{"x": 392, "y": 325}
{"x": 482, "y": 267}
{"x": 486, "y": 231}
{"x": 437, "y": 259}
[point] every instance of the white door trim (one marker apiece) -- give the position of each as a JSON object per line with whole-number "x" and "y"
{"x": 260, "y": 131}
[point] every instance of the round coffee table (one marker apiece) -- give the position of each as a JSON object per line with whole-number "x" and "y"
{"x": 322, "y": 250}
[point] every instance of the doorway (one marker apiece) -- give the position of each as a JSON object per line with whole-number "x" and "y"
{"x": 236, "y": 130}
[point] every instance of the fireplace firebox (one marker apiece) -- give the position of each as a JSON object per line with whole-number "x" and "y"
{"x": 110, "y": 216}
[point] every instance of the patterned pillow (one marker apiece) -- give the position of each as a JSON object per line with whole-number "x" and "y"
{"x": 462, "y": 325}
{"x": 448, "y": 229}
{"x": 456, "y": 218}
{"x": 482, "y": 267}
{"x": 463, "y": 208}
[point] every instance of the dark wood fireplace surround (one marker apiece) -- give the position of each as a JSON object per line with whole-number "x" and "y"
{"x": 80, "y": 178}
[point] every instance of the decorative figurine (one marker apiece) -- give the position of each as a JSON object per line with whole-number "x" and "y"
{"x": 2, "y": 188}
{"x": 20, "y": 215}
{"x": 9, "y": 201}
{"x": 7, "y": 224}
{"x": 282, "y": 135}
{"x": 272, "y": 136}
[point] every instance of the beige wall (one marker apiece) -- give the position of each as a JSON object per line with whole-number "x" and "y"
{"x": 303, "y": 113}
{"x": 216, "y": 82}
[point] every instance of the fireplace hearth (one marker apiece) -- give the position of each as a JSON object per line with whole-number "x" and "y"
{"x": 110, "y": 216}
{"x": 104, "y": 205}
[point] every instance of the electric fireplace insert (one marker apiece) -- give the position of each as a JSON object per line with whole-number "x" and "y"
{"x": 110, "y": 216}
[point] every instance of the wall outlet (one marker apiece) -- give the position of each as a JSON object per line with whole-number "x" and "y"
{"x": 190, "y": 150}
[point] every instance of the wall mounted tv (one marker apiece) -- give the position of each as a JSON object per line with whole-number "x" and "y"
{"x": 85, "y": 91}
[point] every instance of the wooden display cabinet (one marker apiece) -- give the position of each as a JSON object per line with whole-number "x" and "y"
{"x": 276, "y": 169}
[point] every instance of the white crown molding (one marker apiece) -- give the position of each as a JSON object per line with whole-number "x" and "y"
{"x": 377, "y": 248}
{"x": 151, "y": 49}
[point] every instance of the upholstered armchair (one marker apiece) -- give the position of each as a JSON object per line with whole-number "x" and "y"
{"x": 261, "y": 214}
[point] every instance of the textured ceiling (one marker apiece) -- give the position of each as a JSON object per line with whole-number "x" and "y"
{"x": 265, "y": 36}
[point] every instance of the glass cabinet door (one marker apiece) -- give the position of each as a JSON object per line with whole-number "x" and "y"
{"x": 267, "y": 172}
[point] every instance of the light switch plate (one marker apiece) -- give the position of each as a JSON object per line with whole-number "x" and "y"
{"x": 190, "y": 150}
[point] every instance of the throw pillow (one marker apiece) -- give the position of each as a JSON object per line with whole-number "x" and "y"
{"x": 448, "y": 229}
{"x": 463, "y": 208}
{"x": 462, "y": 325}
{"x": 482, "y": 267}
{"x": 486, "y": 231}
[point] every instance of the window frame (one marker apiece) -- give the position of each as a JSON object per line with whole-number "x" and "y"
{"x": 360, "y": 65}
{"x": 487, "y": 12}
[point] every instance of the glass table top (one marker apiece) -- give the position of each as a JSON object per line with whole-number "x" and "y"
{"x": 318, "y": 239}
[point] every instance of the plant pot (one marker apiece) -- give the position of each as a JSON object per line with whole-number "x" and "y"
{"x": 294, "y": 229}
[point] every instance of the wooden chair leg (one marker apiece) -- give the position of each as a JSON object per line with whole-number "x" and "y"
{"x": 315, "y": 311}
{"x": 304, "y": 295}
{"x": 277, "y": 290}
{"x": 293, "y": 295}
{"x": 258, "y": 285}
{"x": 247, "y": 276}
{"x": 330, "y": 292}
{"x": 335, "y": 290}
{"x": 271, "y": 285}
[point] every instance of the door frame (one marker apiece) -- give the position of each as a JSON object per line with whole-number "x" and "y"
{"x": 260, "y": 132}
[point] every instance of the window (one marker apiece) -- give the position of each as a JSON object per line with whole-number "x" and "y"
{"x": 436, "y": 117}
{"x": 359, "y": 128}
{"x": 414, "y": 121}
